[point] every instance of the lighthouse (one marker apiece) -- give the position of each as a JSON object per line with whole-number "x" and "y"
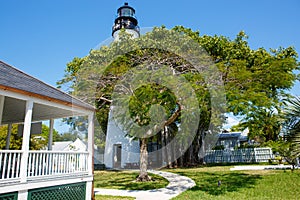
{"x": 127, "y": 20}
{"x": 120, "y": 150}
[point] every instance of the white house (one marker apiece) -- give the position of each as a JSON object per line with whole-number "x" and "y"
{"x": 78, "y": 145}
{"x": 231, "y": 140}
{"x": 46, "y": 174}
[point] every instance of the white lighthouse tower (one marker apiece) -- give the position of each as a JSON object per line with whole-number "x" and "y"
{"x": 121, "y": 151}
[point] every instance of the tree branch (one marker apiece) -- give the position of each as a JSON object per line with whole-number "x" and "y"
{"x": 174, "y": 116}
{"x": 105, "y": 99}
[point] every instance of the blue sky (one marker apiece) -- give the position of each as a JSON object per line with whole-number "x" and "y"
{"x": 40, "y": 37}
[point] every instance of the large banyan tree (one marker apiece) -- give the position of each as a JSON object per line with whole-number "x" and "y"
{"x": 170, "y": 86}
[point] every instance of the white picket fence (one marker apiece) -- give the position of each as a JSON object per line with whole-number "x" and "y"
{"x": 247, "y": 155}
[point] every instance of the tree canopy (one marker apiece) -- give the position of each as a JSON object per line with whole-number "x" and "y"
{"x": 36, "y": 143}
{"x": 292, "y": 126}
{"x": 255, "y": 81}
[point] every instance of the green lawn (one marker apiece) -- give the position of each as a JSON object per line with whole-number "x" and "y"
{"x": 246, "y": 185}
{"x": 125, "y": 180}
{"x": 105, "y": 197}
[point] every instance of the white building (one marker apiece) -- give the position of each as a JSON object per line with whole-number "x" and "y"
{"x": 78, "y": 145}
{"x": 120, "y": 151}
{"x": 46, "y": 174}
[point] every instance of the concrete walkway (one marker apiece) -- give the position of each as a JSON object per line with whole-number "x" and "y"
{"x": 177, "y": 184}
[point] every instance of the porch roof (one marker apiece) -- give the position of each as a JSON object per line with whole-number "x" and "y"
{"x": 49, "y": 102}
{"x": 14, "y": 80}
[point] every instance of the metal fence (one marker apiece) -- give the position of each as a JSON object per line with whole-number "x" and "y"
{"x": 247, "y": 155}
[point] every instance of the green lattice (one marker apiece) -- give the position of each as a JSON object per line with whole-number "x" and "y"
{"x": 9, "y": 196}
{"x": 62, "y": 192}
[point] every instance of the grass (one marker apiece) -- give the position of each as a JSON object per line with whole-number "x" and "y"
{"x": 125, "y": 180}
{"x": 256, "y": 185}
{"x": 107, "y": 197}
{"x": 248, "y": 185}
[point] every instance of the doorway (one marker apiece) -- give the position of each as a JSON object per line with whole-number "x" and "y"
{"x": 117, "y": 155}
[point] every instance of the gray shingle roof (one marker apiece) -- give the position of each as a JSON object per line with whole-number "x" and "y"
{"x": 14, "y": 79}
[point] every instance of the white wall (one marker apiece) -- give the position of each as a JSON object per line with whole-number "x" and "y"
{"x": 130, "y": 148}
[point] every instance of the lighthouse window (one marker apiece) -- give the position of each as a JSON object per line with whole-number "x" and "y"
{"x": 126, "y": 12}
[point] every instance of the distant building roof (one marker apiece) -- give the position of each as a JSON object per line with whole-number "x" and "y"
{"x": 15, "y": 80}
{"x": 77, "y": 145}
{"x": 61, "y": 146}
{"x": 230, "y": 135}
{"x": 233, "y": 135}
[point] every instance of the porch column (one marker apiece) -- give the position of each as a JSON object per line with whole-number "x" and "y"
{"x": 91, "y": 143}
{"x": 89, "y": 185}
{"x": 9, "y": 127}
{"x": 50, "y": 137}
{"x": 26, "y": 139}
{"x": 1, "y": 108}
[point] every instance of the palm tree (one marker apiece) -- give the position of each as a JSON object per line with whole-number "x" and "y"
{"x": 292, "y": 124}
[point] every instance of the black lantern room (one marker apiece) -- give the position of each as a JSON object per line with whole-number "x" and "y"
{"x": 126, "y": 19}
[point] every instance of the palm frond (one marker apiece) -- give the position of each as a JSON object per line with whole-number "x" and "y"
{"x": 292, "y": 116}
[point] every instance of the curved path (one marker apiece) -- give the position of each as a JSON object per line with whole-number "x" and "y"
{"x": 177, "y": 184}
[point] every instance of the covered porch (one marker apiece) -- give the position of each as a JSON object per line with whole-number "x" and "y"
{"x": 26, "y": 101}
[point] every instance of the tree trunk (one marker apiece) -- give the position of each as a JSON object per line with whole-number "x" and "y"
{"x": 159, "y": 154}
{"x": 175, "y": 147}
{"x": 169, "y": 148}
{"x": 203, "y": 150}
{"x": 191, "y": 154}
{"x": 164, "y": 152}
{"x": 186, "y": 157}
{"x": 143, "y": 177}
{"x": 180, "y": 159}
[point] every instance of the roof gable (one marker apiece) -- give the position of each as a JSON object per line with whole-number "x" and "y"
{"x": 61, "y": 146}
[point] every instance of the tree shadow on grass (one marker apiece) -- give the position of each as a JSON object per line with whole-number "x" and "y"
{"x": 221, "y": 183}
{"x": 127, "y": 182}
{"x": 120, "y": 183}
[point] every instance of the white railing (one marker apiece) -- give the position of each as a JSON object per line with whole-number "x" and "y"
{"x": 10, "y": 164}
{"x": 50, "y": 163}
{"x": 42, "y": 164}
